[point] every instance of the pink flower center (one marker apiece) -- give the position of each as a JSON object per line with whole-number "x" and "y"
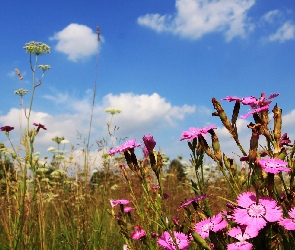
{"x": 256, "y": 210}
{"x": 207, "y": 227}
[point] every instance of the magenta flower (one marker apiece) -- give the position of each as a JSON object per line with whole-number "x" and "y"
{"x": 284, "y": 140}
{"x": 145, "y": 152}
{"x": 273, "y": 165}
{"x": 192, "y": 200}
{"x": 138, "y": 233}
{"x": 214, "y": 224}
{"x": 242, "y": 234}
{"x": 6, "y": 128}
{"x": 194, "y": 132}
{"x": 130, "y": 144}
{"x": 116, "y": 202}
{"x": 128, "y": 209}
{"x": 149, "y": 142}
{"x": 167, "y": 242}
{"x": 256, "y": 105}
{"x": 39, "y": 125}
{"x": 287, "y": 223}
{"x": 252, "y": 214}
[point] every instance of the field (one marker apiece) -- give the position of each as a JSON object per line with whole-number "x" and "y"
{"x": 140, "y": 199}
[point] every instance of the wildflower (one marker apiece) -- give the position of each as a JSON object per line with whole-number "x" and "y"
{"x": 273, "y": 165}
{"x": 64, "y": 141}
{"x": 113, "y": 110}
{"x": 154, "y": 235}
{"x": 39, "y": 125}
{"x": 255, "y": 214}
{"x": 6, "y": 129}
{"x": 44, "y": 67}
{"x": 287, "y": 223}
{"x": 116, "y": 202}
{"x": 149, "y": 142}
{"x": 130, "y": 144}
{"x": 166, "y": 241}
{"x": 145, "y": 152}
{"x": 256, "y": 105}
{"x": 128, "y": 209}
{"x": 242, "y": 234}
{"x": 214, "y": 224}
{"x": 192, "y": 201}
{"x": 138, "y": 233}
{"x": 37, "y": 48}
{"x": 126, "y": 247}
{"x": 284, "y": 140}
{"x": 194, "y": 132}
{"x": 51, "y": 149}
{"x": 20, "y": 92}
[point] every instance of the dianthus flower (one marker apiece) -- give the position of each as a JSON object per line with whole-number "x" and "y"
{"x": 6, "y": 128}
{"x": 288, "y": 223}
{"x": 273, "y": 165}
{"x": 254, "y": 214}
{"x": 149, "y": 142}
{"x": 214, "y": 224}
{"x": 285, "y": 141}
{"x": 138, "y": 233}
{"x": 124, "y": 147}
{"x": 192, "y": 200}
{"x": 256, "y": 105}
{"x": 39, "y": 125}
{"x": 116, "y": 202}
{"x": 241, "y": 234}
{"x": 128, "y": 209}
{"x": 167, "y": 242}
{"x": 194, "y": 132}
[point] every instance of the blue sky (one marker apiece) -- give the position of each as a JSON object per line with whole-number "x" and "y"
{"x": 160, "y": 62}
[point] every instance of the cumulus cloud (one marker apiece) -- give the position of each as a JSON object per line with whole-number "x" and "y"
{"x": 141, "y": 114}
{"x": 285, "y": 33}
{"x": 196, "y": 18}
{"x": 76, "y": 41}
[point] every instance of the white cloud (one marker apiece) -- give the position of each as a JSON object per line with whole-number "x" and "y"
{"x": 141, "y": 114}
{"x": 196, "y": 18}
{"x": 284, "y": 33}
{"x": 76, "y": 41}
{"x": 271, "y": 16}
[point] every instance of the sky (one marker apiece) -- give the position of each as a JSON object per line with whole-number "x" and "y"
{"x": 159, "y": 61}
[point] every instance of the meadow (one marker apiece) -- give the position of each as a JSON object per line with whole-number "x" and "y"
{"x": 140, "y": 199}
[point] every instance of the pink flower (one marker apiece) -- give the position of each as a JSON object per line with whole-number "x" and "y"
{"x": 242, "y": 234}
{"x": 128, "y": 209}
{"x": 124, "y": 147}
{"x": 194, "y": 132}
{"x": 192, "y": 200}
{"x": 145, "y": 152}
{"x": 6, "y": 128}
{"x": 138, "y": 233}
{"x": 284, "y": 140}
{"x": 214, "y": 224}
{"x": 167, "y": 242}
{"x": 252, "y": 214}
{"x": 116, "y": 202}
{"x": 149, "y": 142}
{"x": 39, "y": 125}
{"x": 287, "y": 223}
{"x": 273, "y": 165}
{"x": 256, "y": 105}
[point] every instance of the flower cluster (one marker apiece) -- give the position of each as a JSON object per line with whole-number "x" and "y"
{"x": 194, "y": 132}
{"x": 257, "y": 105}
{"x": 37, "y": 48}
